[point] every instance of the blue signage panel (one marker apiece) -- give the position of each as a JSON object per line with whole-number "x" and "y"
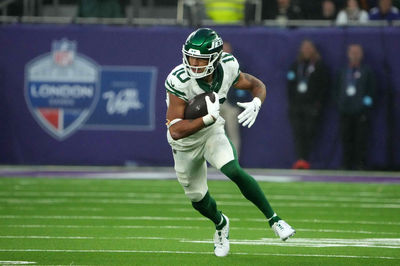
{"x": 126, "y": 99}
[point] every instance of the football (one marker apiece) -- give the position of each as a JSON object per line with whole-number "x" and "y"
{"x": 197, "y": 106}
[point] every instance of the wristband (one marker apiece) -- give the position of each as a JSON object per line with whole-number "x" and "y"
{"x": 176, "y": 120}
{"x": 208, "y": 120}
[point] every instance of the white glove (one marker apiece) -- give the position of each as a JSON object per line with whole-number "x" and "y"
{"x": 212, "y": 109}
{"x": 249, "y": 115}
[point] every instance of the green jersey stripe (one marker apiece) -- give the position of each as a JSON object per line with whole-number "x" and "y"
{"x": 227, "y": 59}
{"x": 181, "y": 69}
{"x": 237, "y": 78}
{"x": 169, "y": 86}
{"x": 177, "y": 95}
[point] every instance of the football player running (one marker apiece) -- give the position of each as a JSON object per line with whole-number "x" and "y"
{"x": 206, "y": 68}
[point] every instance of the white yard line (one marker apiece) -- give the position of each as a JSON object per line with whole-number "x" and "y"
{"x": 387, "y": 243}
{"x": 347, "y": 231}
{"x": 49, "y": 201}
{"x": 54, "y": 208}
{"x": 96, "y": 238}
{"x": 196, "y": 253}
{"x": 322, "y": 221}
{"x": 195, "y": 227}
{"x": 147, "y": 195}
{"x": 79, "y": 217}
{"x": 160, "y": 218}
{"x": 15, "y": 262}
{"x": 392, "y": 243}
{"x": 107, "y": 226}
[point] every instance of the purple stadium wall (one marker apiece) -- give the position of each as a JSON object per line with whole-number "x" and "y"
{"x": 266, "y": 53}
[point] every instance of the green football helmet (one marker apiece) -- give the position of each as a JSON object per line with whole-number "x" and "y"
{"x": 206, "y": 44}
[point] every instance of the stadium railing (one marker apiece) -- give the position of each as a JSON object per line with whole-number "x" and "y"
{"x": 181, "y": 16}
{"x": 183, "y": 22}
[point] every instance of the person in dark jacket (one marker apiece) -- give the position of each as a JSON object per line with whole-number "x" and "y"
{"x": 384, "y": 11}
{"x": 308, "y": 82}
{"x": 354, "y": 94}
{"x": 281, "y": 10}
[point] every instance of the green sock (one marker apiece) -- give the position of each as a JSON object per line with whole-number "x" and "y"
{"x": 221, "y": 224}
{"x": 275, "y": 218}
{"x": 208, "y": 208}
{"x": 249, "y": 188}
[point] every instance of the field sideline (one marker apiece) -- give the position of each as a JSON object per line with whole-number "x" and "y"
{"x": 86, "y": 217}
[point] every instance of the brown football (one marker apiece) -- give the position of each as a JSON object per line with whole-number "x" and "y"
{"x": 197, "y": 106}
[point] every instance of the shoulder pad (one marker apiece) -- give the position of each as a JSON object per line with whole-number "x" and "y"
{"x": 227, "y": 57}
{"x": 230, "y": 64}
{"x": 229, "y": 60}
{"x": 177, "y": 82}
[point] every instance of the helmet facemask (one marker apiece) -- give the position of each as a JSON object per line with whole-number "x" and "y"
{"x": 196, "y": 71}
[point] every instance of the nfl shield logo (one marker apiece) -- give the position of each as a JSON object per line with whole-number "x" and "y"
{"x": 61, "y": 89}
{"x": 63, "y": 52}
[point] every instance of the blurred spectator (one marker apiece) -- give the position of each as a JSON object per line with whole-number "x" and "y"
{"x": 384, "y": 11}
{"x": 307, "y": 84}
{"x": 340, "y": 4}
{"x": 354, "y": 94}
{"x": 269, "y": 8}
{"x": 101, "y": 8}
{"x": 225, "y": 11}
{"x": 352, "y": 12}
{"x": 15, "y": 9}
{"x": 288, "y": 10}
{"x": 230, "y": 110}
{"x": 310, "y": 8}
{"x": 281, "y": 10}
{"x": 363, "y": 4}
{"x": 195, "y": 12}
{"x": 328, "y": 10}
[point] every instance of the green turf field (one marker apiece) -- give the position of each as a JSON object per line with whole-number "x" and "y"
{"x": 150, "y": 222}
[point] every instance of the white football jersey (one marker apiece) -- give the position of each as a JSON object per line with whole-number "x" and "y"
{"x": 181, "y": 85}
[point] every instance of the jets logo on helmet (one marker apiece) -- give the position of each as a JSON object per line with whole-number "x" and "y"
{"x": 216, "y": 43}
{"x": 203, "y": 43}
